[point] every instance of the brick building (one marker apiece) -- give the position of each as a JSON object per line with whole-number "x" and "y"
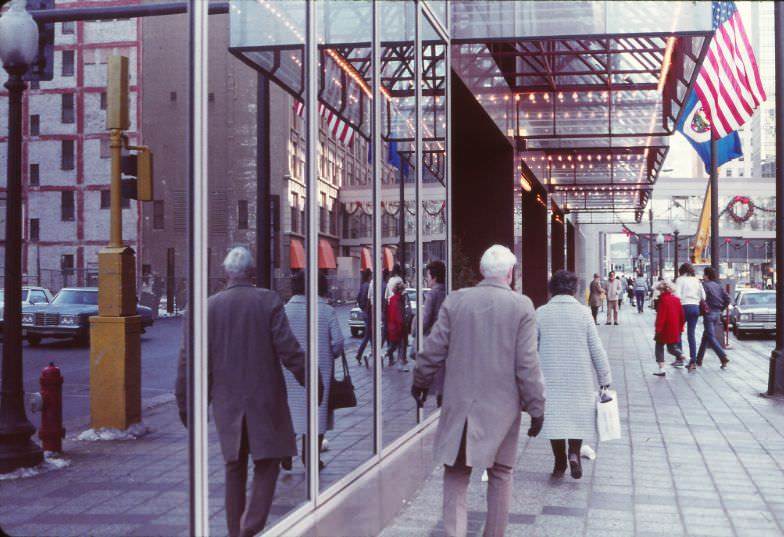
{"x": 65, "y": 152}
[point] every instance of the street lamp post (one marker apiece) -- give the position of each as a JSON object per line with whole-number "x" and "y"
{"x": 18, "y": 49}
{"x": 675, "y": 234}
{"x": 659, "y": 245}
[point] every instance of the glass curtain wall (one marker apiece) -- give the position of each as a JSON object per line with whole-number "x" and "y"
{"x": 327, "y": 159}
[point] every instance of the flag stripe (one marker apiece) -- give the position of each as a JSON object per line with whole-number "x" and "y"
{"x": 729, "y": 85}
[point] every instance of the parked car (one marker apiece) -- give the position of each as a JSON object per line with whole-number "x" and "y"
{"x": 68, "y": 316}
{"x": 30, "y": 297}
{"x": 753, "y": 311}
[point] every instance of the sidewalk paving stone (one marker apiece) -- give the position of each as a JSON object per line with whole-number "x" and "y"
{"x": 702, "y": 455}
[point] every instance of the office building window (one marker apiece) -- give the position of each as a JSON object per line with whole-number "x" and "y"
{"x": 35, "y": 177}
{"x": 69, "y": 27}
{"x": 67, "y": 206}
{"x": 106, "y": 199}
{"x": 242, "y": 214}
{"x": 67, "y": 155}
{"x": 68, "y": 108}
{"x": 157, "y": 214}
{"x": 333, "y": 216}
{"x": 35, "y": 229}
{"x": 323, "y": 223}
{"x": 103, "y": 100}
{"x": 68, "y": 63}
{"x": 67, "y": 263}
{"x": 106, "y": 150}
{"x": 294, "y": 212}
{"x": 35, "y": 125}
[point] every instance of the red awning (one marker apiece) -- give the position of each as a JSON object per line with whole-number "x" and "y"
{"x": 297, "y": 254}
{"x": 326, "y": 255}
{"x": 365, "y": 259}
{"x": 388, "y": 258}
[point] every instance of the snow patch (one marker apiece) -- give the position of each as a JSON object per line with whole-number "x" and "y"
{"x": 52, "y": 461}
{"x": 137, "y": 430}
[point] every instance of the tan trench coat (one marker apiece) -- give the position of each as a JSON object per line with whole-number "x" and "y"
{"x": 249, "y": 340}
{"x": 485, "y": 338}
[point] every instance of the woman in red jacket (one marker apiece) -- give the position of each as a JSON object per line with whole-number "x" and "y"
{"x": 669, "y": 324}
{"x": 396, "y": 325}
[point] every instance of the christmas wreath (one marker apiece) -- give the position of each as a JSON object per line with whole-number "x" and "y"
{"x": 740, "y": 209}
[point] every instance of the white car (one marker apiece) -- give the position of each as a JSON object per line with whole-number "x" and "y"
{"x": 31, "y": 296}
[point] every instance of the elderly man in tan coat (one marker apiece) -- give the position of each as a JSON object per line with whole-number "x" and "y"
{"x": 485, "y": 339}
{"x": 250, "y": 340}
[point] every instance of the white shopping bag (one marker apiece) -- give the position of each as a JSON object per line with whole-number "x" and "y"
{"x": 608, "y": 420}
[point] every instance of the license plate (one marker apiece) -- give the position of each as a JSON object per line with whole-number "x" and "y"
{"x": 770, "y": 326}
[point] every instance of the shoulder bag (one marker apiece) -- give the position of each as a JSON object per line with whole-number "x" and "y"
{"x": 341, "y": 392}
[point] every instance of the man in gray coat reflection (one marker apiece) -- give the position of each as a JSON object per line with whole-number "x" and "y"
{"x": 485, "y": 339}
{"x": 249, "y": 339}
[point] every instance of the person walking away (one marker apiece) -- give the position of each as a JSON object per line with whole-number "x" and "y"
{"x": 485, "y": 339}
{"x": 595, "y": 296}
{"x": 613, "y": 292}
{"x": 689, "y": 290}
{"x": 435, "y": 279}
{"x": 624, "y": 291}
{"x": 669, "y": 325}
{"x": 630, "y": 289}
{"x": 573, "y": 361}
{"x": 250, "y": 339}
{"x": 363, "y": 303}
{"x": 640, "y": 290}
{"x": 330, "y": 347}
{"x": 716, "y": 299}
{"x": 396, "y": 325}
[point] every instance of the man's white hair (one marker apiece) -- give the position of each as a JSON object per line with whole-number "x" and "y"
{"x": 238, "y": 262}
{"x": 497, "y": 261}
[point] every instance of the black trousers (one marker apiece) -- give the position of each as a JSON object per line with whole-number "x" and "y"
{"x": 594, "y": 312}
{"x": 559, "y": 450}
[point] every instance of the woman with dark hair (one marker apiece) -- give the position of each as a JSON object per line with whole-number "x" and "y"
{"x": 572, "y": 359}
{"x": 330, "y": 346}
{"x": 717, "y": 300}
{"x": 363, "y": 303}
{"x": 690, "y": 292}
{"x": 435, "y": 279}
{"x": 396, "y": 325}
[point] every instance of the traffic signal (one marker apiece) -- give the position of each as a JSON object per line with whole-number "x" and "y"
{"x": 42, "y": 69}
{"x": 139, "y": 166}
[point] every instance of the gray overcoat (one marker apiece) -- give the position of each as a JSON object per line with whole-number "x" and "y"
{"x": 249, "y": 339}
{"x": 330, "y": 347}
{"x": 485, "y": 338}
{"x": 573, "y": 360}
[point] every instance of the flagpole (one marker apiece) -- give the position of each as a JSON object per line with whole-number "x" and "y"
{"x": 776, "y": 371}
{"x": 714, "y": 203}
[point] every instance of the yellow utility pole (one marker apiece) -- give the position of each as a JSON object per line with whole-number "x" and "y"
{"x": 115, "y": 334}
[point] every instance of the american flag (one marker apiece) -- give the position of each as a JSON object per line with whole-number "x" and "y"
{"x": 340, "y": 130}
{"x": 729, "y": 84}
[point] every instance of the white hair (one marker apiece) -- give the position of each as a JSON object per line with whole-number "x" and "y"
{"x": 497, "y": 261}
{"x": 238, "y": 262}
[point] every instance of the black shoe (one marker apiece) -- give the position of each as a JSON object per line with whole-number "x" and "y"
{"x": 616, "y": 323}
{"x": 359, "y": 359}
{"x": 659, "y": 373}
{"x": 285, "y": 463}
{"x": 559, "y": 469}
{"x": 608, "y": 322}
{"x": 575, "y": 466}
{"x": 724, "y": 363}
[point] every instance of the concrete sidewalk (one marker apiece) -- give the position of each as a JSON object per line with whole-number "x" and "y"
{"x": 702, "y": 454}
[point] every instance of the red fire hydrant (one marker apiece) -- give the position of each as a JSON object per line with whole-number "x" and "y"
{"x": 52, "y": 432}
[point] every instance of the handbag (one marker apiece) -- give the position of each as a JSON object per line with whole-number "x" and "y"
{"x": 608, "y": 420}
{"x": 341, "y": 392}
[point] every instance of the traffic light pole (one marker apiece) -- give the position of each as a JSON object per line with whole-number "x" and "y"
{"x": 115, "y": 333}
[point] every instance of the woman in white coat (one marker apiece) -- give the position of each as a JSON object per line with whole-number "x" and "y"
{"x": 572, "y": 360}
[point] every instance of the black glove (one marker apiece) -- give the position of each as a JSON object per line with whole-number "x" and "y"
{"x": 184, "y": 418}
{"x": 536, "y": 426}
{"x": 419, "y": 395}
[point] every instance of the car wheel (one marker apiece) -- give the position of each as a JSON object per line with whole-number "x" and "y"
{"x": 34, "y": 341}
{"x": 355, "y": 332}
{"x": 737, "y": 333}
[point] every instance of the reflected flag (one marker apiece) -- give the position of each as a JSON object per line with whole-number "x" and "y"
{"x": 729, "y": 85}
{"x": 340, "y": 130}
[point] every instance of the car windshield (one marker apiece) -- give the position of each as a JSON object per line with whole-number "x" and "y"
{"x": 24, "y": 295}
{"x": 758, "y": 299}
{"x": 71, "y": 296}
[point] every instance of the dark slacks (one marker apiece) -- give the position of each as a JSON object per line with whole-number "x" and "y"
{"x": 640, "y": 296}
{"x": 247, "y": 520}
